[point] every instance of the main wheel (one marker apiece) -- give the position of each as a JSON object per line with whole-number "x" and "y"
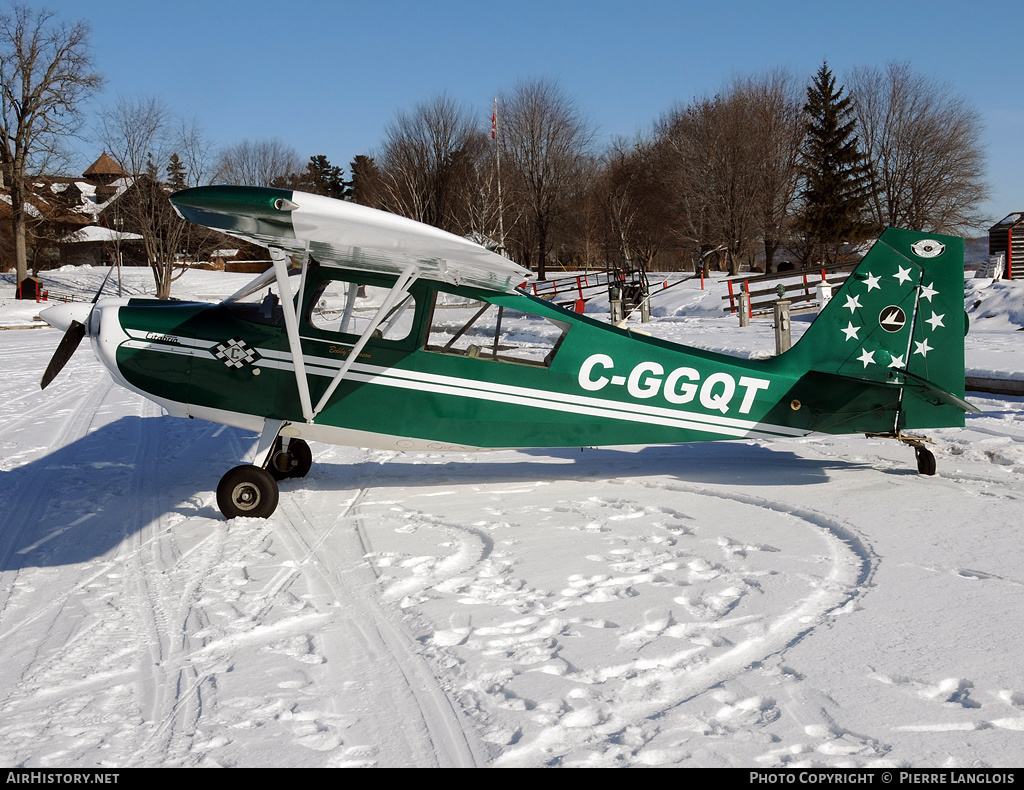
{"x": 247, "y": 491}
{"x": 925, "y": 461}
{"x": 294, "y": 463}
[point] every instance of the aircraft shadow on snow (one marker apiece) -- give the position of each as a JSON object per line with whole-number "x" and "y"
{"x": 79, "y": 502}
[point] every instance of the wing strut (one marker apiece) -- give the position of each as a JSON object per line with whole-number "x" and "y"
{"x": 398, "y": 291}
{"x": 291, "y": 325}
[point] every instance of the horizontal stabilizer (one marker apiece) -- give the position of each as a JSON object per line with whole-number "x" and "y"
{"x": 916, "y": 382}
{"x": 941, "y": 394}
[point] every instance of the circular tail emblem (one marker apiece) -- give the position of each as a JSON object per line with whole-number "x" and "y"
{"x": 892, "y": 318}
{"x": 928, "y": 248}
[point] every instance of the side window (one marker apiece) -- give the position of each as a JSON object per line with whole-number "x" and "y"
{"x": 481, "y": 330}
{"x": 348, "y": 308}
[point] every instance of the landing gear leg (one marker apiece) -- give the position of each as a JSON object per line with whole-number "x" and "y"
{"x": 289, "y": 458}
{"x": 924, "y": 456}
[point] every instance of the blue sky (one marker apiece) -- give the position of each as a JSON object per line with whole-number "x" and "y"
{"x": 326, "y": 77}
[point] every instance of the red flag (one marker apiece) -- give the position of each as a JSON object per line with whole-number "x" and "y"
{"x": 494, "y": 124}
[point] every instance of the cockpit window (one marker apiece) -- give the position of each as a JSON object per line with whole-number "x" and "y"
{"x": 258, "y": 310}
{"x": 348, "y": 308}
{"x": 482, "y": 330}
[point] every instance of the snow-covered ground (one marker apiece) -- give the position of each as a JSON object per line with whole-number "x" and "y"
{"x": 795, "y": 603}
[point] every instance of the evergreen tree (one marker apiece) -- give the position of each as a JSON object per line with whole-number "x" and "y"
{"x": 834, "y": 170}
{"x": 323, "y": 178}
{"x": 319, "y": 178}
{"x": 176, "y": 173}
{"x": 366, "y": 181}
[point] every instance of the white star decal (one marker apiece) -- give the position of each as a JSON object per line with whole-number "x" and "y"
{"x": 902, "y": 275}
{"x": 927, "y": 292}
{"x": 867, "y": 357}
{"x": 852, "y": 302}
{"x": 851, "y": 331}
{"x": 872, "y": 282}
{"x": 897, "y": 362}
{"x": 922, "y": 348}
{"x": 936, "y": 321}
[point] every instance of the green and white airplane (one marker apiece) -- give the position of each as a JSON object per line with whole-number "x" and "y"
{"x": 373, "y": 330}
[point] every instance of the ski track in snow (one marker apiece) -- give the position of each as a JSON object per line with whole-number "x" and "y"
{"x": 789, "y": 604}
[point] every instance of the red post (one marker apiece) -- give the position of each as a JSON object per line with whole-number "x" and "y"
{"x": 1009, "y": 254}
{"x": 732, "y": 307}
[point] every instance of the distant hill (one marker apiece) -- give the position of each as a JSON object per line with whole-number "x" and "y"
{"x": 976, "y": 250}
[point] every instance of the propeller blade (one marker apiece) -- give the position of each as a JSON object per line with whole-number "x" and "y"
{"x": 72, "y": 337}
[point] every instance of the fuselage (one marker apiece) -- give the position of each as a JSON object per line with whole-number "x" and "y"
{"x": 462, "y": 369}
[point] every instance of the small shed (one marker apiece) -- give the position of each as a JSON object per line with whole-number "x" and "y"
{"x": 1007, "y": 237}
{"x": 31, "y": 288}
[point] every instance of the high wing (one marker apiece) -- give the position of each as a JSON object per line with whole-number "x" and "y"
{"x": 347, "y": 235}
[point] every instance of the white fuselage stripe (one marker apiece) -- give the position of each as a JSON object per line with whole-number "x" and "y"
{"x": 481, "y": 390}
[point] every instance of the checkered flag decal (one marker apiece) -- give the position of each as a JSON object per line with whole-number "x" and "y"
{"x": 235, "y": 353}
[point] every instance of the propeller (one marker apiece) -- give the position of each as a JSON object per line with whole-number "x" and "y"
{"x": 72, "y": 317}
{"x": 72, "y": 337}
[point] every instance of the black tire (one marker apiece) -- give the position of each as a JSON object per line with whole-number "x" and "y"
{"x": 295, "y": 463}
{"x": 925, "y": 461}
{"x": 247, "y": 491}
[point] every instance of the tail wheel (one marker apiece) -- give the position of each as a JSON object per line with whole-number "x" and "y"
{"x": 294, "y": 463}
{"x": 247, "y": 491}
{"x": 925, "y": 461}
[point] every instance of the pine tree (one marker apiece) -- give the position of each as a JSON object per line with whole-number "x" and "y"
{"x": 834, "y": 171}
{"x": 365, "y": 184}
{"x": 176, "y": 173}
{"x": 323, "y": 178}
{"x": 319, "y": 178}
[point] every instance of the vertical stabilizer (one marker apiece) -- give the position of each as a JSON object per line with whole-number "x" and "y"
{"x": 899, "y": 319}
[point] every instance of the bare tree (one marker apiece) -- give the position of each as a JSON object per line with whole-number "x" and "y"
{"x": 776, "y": 125}
{"x": 544, "y": 142}
{"x": 731, "y": 166}
{"x": 262, "y": 163}
{"x": 430, "y": 164}
{"x": 161, "y": 153}
{"x": 45, "y": 72}
{"x": 713, "y": 167}
{"x": 923, "y": 143}
{"x": 634, "y": 202}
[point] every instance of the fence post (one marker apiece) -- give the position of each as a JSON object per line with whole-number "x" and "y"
{"x": 824, "y": 293}
{"x": 783, "y": 332}
{"x": 744, "y": 308}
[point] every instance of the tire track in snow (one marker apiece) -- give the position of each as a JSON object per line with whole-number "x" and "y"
{"x": 33, "y": 485}
{"x": 677, "y": 678}
{"x": 431, "y": 728}
{"x": 160, "y": 599}
{"x": 666, "y": 663}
